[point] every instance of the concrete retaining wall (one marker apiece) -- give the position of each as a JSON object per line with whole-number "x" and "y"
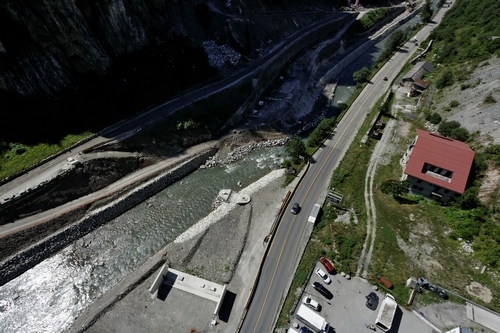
{"x": 19, "y": 263}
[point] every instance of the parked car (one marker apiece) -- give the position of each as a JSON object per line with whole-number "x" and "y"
{"x": 311, "y": 303}
{"x": 323, "y": 276}
{"x": 295, "y": 208}
{"x": 441, "y": 293}
{"x": 322, "y": 290}
{"x": 305, "y": 330}
{"x": 327, "y": 264}
{"x": 372, "y": 301}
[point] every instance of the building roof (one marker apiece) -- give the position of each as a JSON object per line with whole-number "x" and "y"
{"x": 442, "y": 152}
{"x": 420, "y": 83}
{"x": 418, "y": 71}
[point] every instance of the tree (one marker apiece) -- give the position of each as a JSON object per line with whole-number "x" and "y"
{"x": 314, "y": 139}
{"x": 325, "y": 126}
{"x": 321, "y": 132}
{"x": 295, "y": 147}
{"x": 448, "y": 126}
{"x": 395, "y": 39}
{"x": 426, "y": 12}
{"x": 361, "y": 76}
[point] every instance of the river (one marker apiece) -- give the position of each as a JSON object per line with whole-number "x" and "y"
{"x": 49, "y": 296}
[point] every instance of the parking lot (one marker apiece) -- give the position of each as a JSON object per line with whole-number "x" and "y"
{"x": 347, "y": 312}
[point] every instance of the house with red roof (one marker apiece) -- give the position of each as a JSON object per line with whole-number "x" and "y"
{"x": 437, "y": 167}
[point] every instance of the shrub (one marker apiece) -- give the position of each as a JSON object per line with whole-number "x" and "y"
{"x": 372, "y": 17}
{"x": 434, "y": 118}
{"x": 400, "y": 188}
{"x": 460, "y": 134}
{"x": 187, "y": 124}
{"x": 448, "y": 126}
{"x": 454, "y": 104}
{"x": 386, "y": 186}
{"x": 342, "y": 107}
{"x": 493, "y": 153}
{"x": 489, "y": 99}
{"x": 18, "y": 148}
{"x": 464, "y": 86}
{"x": 480, "y": 165}
{"x": 469, "y": 199}
{"x": 445, "y": 80}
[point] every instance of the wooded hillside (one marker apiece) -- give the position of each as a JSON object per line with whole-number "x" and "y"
{"x": 470, "y": 30}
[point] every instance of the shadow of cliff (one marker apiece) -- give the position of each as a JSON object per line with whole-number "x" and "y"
{"x": 133, "y": 83}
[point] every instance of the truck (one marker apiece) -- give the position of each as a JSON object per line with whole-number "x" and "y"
{"x": 312, "y": 319}
{"x": 314, "y": 213}
{"x": 386, "y": 313}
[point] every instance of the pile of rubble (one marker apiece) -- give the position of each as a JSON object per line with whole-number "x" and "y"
{"x": 218, "y": 56}
{"x": 240, "y": 152}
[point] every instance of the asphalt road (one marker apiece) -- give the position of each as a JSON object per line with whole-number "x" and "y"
{"x": 282, "y": 259}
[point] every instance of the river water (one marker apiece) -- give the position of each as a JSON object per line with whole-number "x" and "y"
{"x": 49, "y": 296}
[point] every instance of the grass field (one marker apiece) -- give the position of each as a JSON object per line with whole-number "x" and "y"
{"x": 17, "y": 157}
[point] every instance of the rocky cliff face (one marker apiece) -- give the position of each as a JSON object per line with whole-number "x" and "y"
{"x": 46, "y": 46}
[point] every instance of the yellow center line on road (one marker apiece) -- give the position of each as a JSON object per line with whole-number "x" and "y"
{"x": 307, "y": 192}
{"x": 274, "y": 273}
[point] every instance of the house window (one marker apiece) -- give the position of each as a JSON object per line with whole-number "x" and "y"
{"x": 419, "y": 181}
{"x": 420, "y": 189}
{"x": 446, "y": 191}
{"x": 415, "y": 187}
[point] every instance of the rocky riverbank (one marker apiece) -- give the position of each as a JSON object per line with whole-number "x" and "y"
{"x": 240, "y": 152}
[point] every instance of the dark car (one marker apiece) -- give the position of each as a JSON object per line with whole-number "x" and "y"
{"x": 322, "y": 290}
{"x": 441, "y": 293}
{"x": 305, "y": 330}
{"x": 385, "y": 78}
{"x": 295, "y": 208}
{"x": 372, "y": 301}
{"x": 328, "y": 265}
